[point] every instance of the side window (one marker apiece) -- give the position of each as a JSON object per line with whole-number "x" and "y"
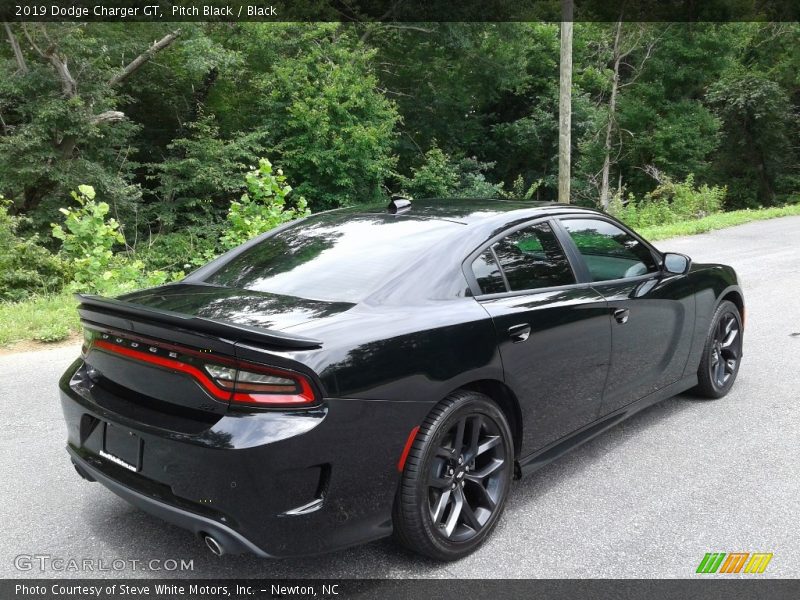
{"x": 608, "y": 251}
{"x": 530, "y": 258}
{"x": 488, "y": 274}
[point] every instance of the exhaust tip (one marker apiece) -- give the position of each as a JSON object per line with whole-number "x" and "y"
{"x": 213, "y": 545}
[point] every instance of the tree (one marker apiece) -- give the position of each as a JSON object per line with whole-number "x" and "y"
{"x": 164, "y": 127}
{"x": 754, "y": 110}
{"x": 313, "y": 90}
{"x": 202, "y": 173}
{"x": 455, "y": 82}
{"x": 619, "y": 55}
{"x": 62, "y": 123}
{"x": 565, "y": 104}
{"x": 755, "y": 100}
{"x": 659, "y": 116}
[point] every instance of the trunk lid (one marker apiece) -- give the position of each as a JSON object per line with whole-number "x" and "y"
{"x": 187, "y": 347}
{"x": 240, "y": 307}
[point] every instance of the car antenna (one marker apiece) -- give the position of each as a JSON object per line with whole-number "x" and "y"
{"x": 398, "y": 204}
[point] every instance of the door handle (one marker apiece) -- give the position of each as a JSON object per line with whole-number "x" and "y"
{"x": 621, "y": 315}
{"x": 519, "y": 333}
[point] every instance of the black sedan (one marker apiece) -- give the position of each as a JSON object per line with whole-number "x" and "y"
{"x": 370, "y": 371}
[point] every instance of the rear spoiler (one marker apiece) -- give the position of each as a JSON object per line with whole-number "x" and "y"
{"x": 91, "y": 305}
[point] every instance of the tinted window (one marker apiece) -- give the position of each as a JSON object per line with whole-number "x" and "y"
{"x": 488, "y": 274}
{"x": 334, "y": 257}
{"x": 609, "y": 252}
{"x": 532, "y": 258}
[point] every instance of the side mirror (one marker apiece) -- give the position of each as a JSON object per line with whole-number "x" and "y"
{"x": 676, "y": 264}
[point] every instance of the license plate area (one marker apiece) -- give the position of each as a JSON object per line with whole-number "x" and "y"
{"x": 122, "y": 447}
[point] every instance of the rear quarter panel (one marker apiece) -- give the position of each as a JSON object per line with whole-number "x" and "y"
{"x": 397, "y": 353}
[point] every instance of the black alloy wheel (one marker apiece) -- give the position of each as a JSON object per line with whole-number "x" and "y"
{"x": 466, "y": 478}
{"x": 725, "y": 351}
{"x": 722, "y": 353}
{"x": 456, "y": 478}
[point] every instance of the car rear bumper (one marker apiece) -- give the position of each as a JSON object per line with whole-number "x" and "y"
{"x": 231, "y": 541}
{"x": 273, "y": 483}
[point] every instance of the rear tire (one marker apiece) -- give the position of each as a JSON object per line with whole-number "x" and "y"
{"x": 456, "y": 478}
{"x": 722, "y": 353}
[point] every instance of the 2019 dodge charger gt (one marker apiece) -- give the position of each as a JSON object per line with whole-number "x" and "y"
{"x": 369, "y": 370}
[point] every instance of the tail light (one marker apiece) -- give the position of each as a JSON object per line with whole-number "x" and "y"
{"x": 226, "y": 379}
{"x": 254, "y": 384}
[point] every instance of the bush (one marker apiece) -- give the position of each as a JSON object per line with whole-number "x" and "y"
{"x": 472, "y": 182}
{"x": 434, "y": 178}
{"x": 441, "y": 176}
{"x": 179, "y": 250}
{"x": 687, "y": 201}
{"x": 126, "y": 274}
{"x": 327, "y": 120}
{"x": 203, "y": 171}
{"x": 88, "y": 238}
{"x": 26, "y": 268}
{"x": 669, "y": 202}
{"x": 262, "y": 207}
{"x": 518, "y": 190}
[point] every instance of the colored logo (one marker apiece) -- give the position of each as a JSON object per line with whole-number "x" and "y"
{"x": 734, "y": 562}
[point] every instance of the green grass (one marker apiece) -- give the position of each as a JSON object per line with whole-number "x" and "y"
{"x": 716, "y": 221}
{"x": 43, "y": 319}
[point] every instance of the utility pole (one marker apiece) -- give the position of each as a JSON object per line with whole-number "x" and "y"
{"x": 565, "y": 102}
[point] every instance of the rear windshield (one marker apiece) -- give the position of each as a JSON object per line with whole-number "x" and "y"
{"x": 333, "y": 257}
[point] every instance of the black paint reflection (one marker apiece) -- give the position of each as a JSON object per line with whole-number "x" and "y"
{"x": 532, "y": 258}
{"x": 652, "y": 346}
{"x": 256, "y": 309}
{"x": 332, "y": 257}
{"x": 560, "y": 370}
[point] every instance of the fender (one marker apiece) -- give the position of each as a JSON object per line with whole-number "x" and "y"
{"x": 713, "y": 283}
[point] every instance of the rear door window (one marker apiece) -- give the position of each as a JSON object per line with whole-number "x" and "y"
{"x": 488, "y": 274}
{"x": 530, "y": 258}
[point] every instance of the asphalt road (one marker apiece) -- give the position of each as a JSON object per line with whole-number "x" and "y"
{"x": 647, "y": 499}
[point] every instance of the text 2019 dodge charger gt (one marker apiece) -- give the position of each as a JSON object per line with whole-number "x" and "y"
{"x": 368, "y": 371}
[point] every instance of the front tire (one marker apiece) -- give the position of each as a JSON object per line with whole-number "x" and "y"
{"x": 722, "y": 353}
{"x": 456, "y": 478}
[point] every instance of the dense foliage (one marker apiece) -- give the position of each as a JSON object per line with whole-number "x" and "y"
{"x": 669, "y": 121}
{"x": 262, "y": 207}
{"x": 669, "y": 202}
{"x": 88, "y": 238}
{"x": 26, "y": 268}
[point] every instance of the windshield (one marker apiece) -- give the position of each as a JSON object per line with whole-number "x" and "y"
{"x": 334, "y": 257}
